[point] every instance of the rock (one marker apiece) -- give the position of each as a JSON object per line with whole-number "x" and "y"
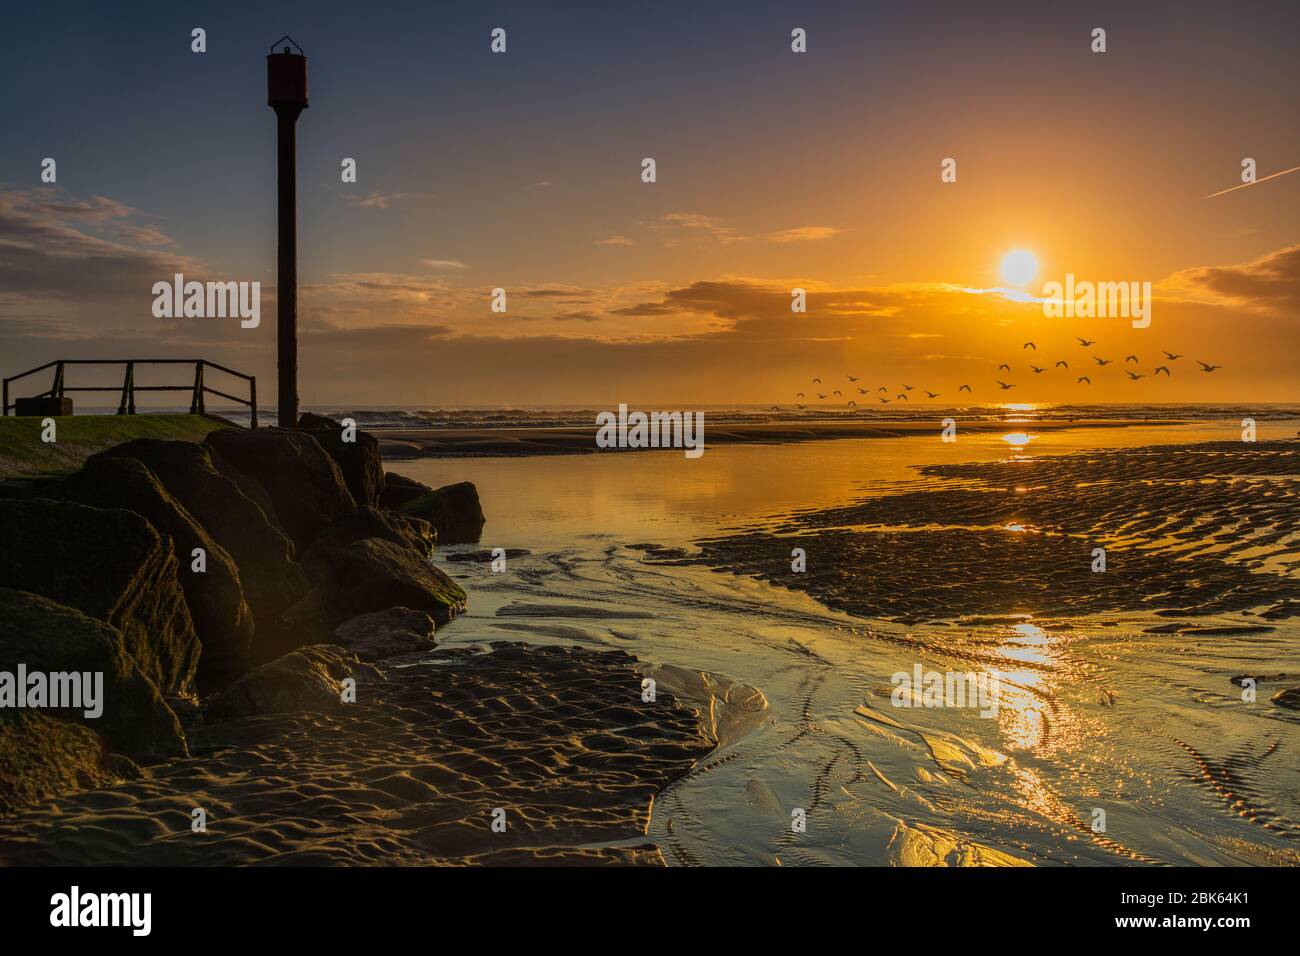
{"x": 272, "y": 580}
{"x": 453, "y": 509}
{"x": 112, "y": 565}
{"x": 1288, "y": 697}
{"x": 373, "y": 575}
{"x": 215, "y": 596}
{"x": 398, "y": 630}
{"x": 414, "y": 533}
{"x": 49, "y": 637}
{"x": 305, "y": 486}
{"x": 42, "y": 758}
{"x": 358, "y": 460}
{"x": 398, "y": 490}
{"x": 308, "y": 679}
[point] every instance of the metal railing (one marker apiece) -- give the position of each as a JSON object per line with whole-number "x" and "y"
{"x": 128, "y": 388}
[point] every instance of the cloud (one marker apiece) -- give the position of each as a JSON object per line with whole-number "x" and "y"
{"x": 377, "y": 200}
{"x": 615, "y": 241}
{"x": 804, "y": 234}
{"x": 1270, "y": 283}
{"x": 443, "y": 263}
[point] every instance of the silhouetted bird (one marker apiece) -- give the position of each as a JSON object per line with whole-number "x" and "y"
{"x": 881, "y": 389}
{"x": 1083, "y": 378}
{"x": 852, "y": 402}
{"x": 903, "y": 397}
{"x": 1037, "y": 370}
{"x": 1004, "y": 365}
{"x": 1062, "y": 364}
{"x": 837, "y": 392}
{"x": 1004, "y": 385}
{"x": 1172, "y": 357}
{"x": 1135, "y": 375}
{"x": 1085, "y": 343}
{"x": 1131, "y": 358}
{"x": 883, "y": 401}
{"x": 1101, "y": 361}
{"x": 862, "y": 391}
{"x": 853, "y": 378}
{"x": 908, "y": 388}
{"x": 820, "y": 395}
{"x": 1161, "y": 368}
{"x": 963, "y": 388}
{"x": 798, "y": 395}
{"x": 817, "y": 381}
{"x": 930, "y": 394}
{"x": 1207, "y": 368}
{"x": 1029, "y": 345}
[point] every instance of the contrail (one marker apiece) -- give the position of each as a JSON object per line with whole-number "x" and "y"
{"x": 1244, "y": 185}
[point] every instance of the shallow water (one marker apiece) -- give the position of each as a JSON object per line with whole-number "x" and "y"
{"x": 1095, "y": 714}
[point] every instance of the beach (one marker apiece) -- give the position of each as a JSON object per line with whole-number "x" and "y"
{"x": 519, "y": 732}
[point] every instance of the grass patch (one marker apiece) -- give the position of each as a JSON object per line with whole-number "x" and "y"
{"x": 24, "y": 455}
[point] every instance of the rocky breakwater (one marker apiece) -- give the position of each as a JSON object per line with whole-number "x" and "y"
{"x": 169, "y": 571}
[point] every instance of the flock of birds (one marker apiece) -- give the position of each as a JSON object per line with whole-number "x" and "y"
{"x": 1133, "y": 375}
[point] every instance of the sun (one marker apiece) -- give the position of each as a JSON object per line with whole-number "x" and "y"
{"x": 1019, "y": 266}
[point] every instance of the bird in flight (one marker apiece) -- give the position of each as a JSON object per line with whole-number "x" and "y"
{"x": 1172, "y": 357}
{"x": 1131, "y": 358}
{"x": 1062, "y": 364}
{"x": 930, "y": 394}
{"x": 862, "y": 391}
{"x": 798, "y": 395}
{"x": 1029, "y": 345}
{"x": 1161, "y": 368}
{"x": 1037, "y": 370}
{"x": 963, "y": 388}
{"x": 797, "y": 405}
{"x": 1083, "y": 378}
{"x": 1004, "y": 385}
{"x": 1085, "y": 343}
{"x": 908, "y": 388}
{"x": 1004, "y": 365}
{"x": 1101, "y": 361}
{"x": 852, "y": 402}
{"x": 903, "y": 397}
{"x": 1207, "y": 368}
{"x": 820, "y": 395}
{"x": 817, "y": 381}
{"x": 853, "y": 378}
{"x": 837, "y": 392}
{"x": 883, "y": 401}
{"x": 1135, "y": 375}
{"x": 881, "y": 389}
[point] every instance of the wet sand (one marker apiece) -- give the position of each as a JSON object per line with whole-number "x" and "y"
{"x": 557, "y": 738}
{"x": 1187, "y": 531}
{"x": 408, "y": 443}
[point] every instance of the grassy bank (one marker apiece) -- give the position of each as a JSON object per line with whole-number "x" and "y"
{"x": 23, "y": 454}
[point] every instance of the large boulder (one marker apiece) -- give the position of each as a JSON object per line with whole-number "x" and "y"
{"x": 215, "y": 595}
{"x": 453, "y": 509}
{"x": 42, "y": 758}
{"x": 358, "y": 459}
{"x": 272, "y": 579}
{"x": 398, "y": 630}
{"x": 304, "y": 485}
{"x": 409, "y": 532}
{"x": 51, "y": 638}
{"x": 309, "y": 679}
{"x": 112, "y": 565}
{"x": 373, "y": 575}
{"x": 398, "y": 490}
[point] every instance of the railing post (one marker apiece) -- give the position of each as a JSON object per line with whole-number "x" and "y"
{"x": 6, "y": 408}
{"x": 127, "y": 405}
{"x": 56, "y": 390}
{"x": 252, "y": 399}
{"x": 196, "y": 403}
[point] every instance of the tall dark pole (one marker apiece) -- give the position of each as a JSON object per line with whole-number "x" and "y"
{"x": 286, "y": 84}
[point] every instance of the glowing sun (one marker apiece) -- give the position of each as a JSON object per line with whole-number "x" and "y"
{"x": 1019, "y": 266}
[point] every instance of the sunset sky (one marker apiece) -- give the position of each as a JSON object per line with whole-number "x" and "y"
{"x": 775, "y": 170}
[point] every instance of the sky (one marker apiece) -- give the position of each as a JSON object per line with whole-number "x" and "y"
{"x": 775, "y": 170}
